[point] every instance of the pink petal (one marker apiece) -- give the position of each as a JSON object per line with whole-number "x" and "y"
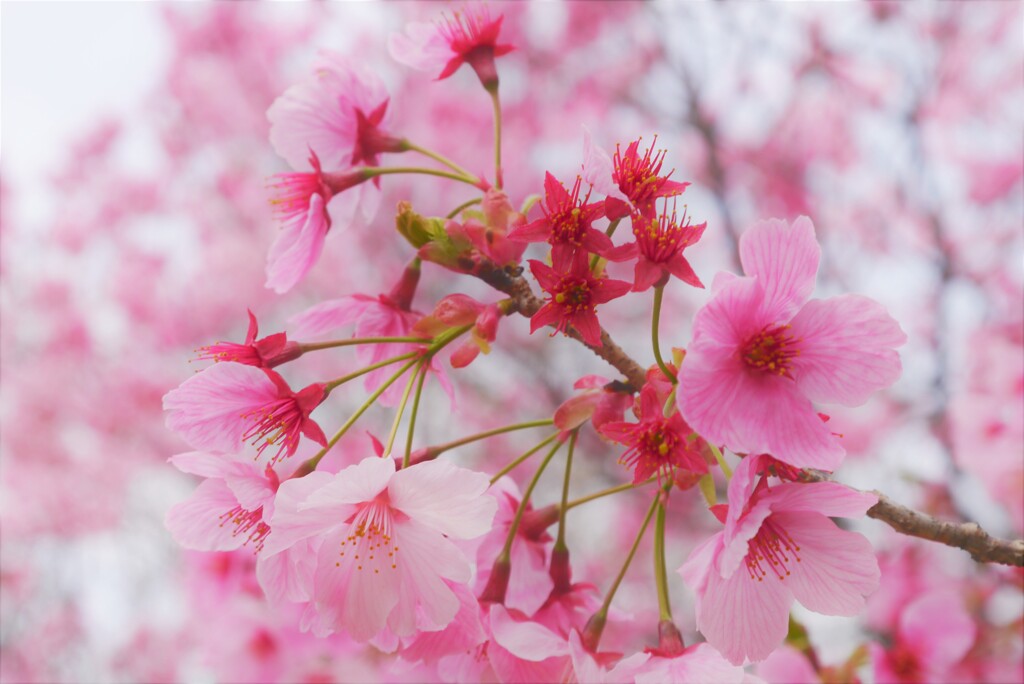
{"x": 680, "y": 268}
{"x": 461, "y": 635}
{"x": 645, "y": 274}
{"x": 698, "y": 664}
{"x": 328, "y": 316}
{"x": 288, "y": 577}
{"x": 525, "y": 639}
{"x": 352, "y": 485}
{"x": 207, "y": 408}
{"x": 529, "y": 583}
{"x": 938, "y": 628}
{"x": 549, "y": 314}
{"x": 421, "y": 47}
{"x": 288, "y": 525}
{"x": 591, "y": 382}
{"x": 297, "y": 248}
{"x": 744, "y": 618}
{"x": 846, "y": 349}
{"x": 700, "y": 565}
{"x": 348, "y": 598}
{"x": 837, "y": 569}
{"x": 827, "y": 498}
{"x": 784, "y": 260}
{"x": 201, "y": 463}
{"x": 249, "y": 485}
{"x": 537, "y": 231}
{"x": 735, "y": 543}
{"x": 588, "y": 327}
{"x": 450, "y": 499}
{"x": 196, "y": 522}
{"x": 787, "y": 666}
{"x": 741, "y": 486}
{"x": 597, "y": 168}
{"x": 425, "y": 559}
{"x": 576, "y": 410}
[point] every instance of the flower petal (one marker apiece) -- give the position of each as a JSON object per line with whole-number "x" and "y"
{"x": 846, "y": 349}
{"x": 297, "y": 248}
{"x": 450, "y": 499}
{"x": 198, "y": 523}
{"x": 784, "y": 259}
{"x": 836, "y": 569}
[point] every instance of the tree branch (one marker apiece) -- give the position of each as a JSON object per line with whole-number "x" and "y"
{"x": 983, "y": 547}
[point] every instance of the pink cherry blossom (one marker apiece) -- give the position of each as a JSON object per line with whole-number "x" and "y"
{"x": 656, "y": 444}
{"x": 470, "y": 36}
{"x": 231, "y": 508}
{"x": 567, "y": 223}
{"x": 935, "y": 632}
{"x": 272, "y": 350}
{"x": 307, "y": 205}
{"x": 761, "y": 352}
{"x": 575, "y": 293}
{"x": 227, "y": 404}
{"x": 340, "y": 113}
{"x": 778, "y": 546}
{"x": 694, "y": 665}
{"x": 386, "y": 555}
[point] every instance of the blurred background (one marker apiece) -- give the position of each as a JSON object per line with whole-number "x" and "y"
{"x": 134, "y": 228}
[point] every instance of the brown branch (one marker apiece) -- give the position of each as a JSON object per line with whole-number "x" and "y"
{"x": 982, "y": 546}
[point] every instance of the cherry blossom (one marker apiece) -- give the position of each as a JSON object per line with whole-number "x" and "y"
{"x": 575, "y": 293}
{"x": 762, "y": 352}
{"x": 227, "y": 404}
{"x": 778, "y": 546}
{"x": 272, "y": 350}
{"x": 386, "y": 549}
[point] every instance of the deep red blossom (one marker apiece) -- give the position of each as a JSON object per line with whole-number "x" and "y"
{"x": 567, "y": 224}
{"x": 631, "y": 181}
{"x": 575, "y": 293}
{"x": 656, "y": 444}
{"x": 272, "y": 350}
{"x": 659, "y": 246}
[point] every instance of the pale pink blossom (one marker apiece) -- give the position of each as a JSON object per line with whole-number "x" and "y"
{"x": 761, "y": 352}
{"x": 307, "y": 205}
{"x": 588, "y": 669}
{"x": 935, "y": 632}
{"x": 228, "y": 404}
{"x": 469, "y": 36}
{"x": 778, "y": 546}
{"x": 600, "y": 401}
{"x": 696, "y": 664}
{"x": 231, "y": 508}
{"x": 386, "y": 557}
{"x": 340, "y": 112}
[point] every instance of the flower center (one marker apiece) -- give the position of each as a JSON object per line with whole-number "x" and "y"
{"x": 249, "y": 523}
{"x": 771, "y": 350}
{"x": 370, "y": 544}
{"x": 663, "y": 237}
{"x": 569, "y": 222}
{"x": 771, "y": 550}
{"x": 279, "y": 424}
{"x": 651, "y": 448}
{"x": 636, "y": 176}
{"x": 573, "y": 294}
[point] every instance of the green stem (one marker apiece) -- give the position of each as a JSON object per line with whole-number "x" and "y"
{"x": 497, "y": 136}
{"x": 506, "y": 553}
{"x": 660, "y": 573}
{"x": 441, "y": 448}
{"x": 401, "y": 407}
{"x": 372, "y": 367}
{"x": 412, "y": 417}
{"x": 608, "y": 492}
{"x": 721, "y": 461}
{"x": 438, "y": 158}
{"x": 609, "y": 232}
{"x": 373, "y": 171}
{"x": 603, "y": 611}
{"x": 310, "y": 465}
{"x": 465, "y": 205}
{"x": 655, "y": 319}
{"x": 315, "y": 346}
{"x": 563, "y": 509}
{"x": 512, "y": 466}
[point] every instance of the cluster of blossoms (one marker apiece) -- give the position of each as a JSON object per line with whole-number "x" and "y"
{"x": 455, "y": 570}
